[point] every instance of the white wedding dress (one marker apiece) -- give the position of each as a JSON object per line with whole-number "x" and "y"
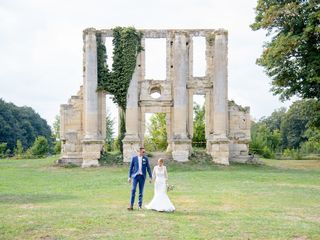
{"x": 160, "y": 201}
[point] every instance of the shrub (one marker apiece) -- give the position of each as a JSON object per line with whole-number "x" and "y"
{"x": 18, "y": 150}
{"x": 111, "y": 158}
{"x": 267, "y": 153}
{"x": 3, "y": 150}
{"x": 39, "y": 148}
{"x": 57, "y": 147}
{"x": 291, "y": 154}
{"x": 310, "y": 147}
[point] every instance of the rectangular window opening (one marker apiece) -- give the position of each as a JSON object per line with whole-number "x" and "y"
{"x": 155, "y": 58}
{"x": 199, "y": 56}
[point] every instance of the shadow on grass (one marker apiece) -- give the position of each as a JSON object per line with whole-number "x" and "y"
{"x": 32, "y": 198}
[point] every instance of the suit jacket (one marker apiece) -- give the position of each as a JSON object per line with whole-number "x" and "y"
{"x": 134, "y": 167}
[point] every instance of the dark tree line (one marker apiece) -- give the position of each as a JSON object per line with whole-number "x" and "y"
{"x": 21, "y": 123}
{"x": 288, "y": 131}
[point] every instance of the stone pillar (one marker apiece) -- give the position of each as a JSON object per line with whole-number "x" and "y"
{"x": 92, "y": 141}
{"x": 181, "y": 144}
{"x": 132, "y": 140}
{"x": 208, "y": 120}
{"x": 190, "y": 112}
{"x": 219, "y": 140}
{"x": 169, "y": 135}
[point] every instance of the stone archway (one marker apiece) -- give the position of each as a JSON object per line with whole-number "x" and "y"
{"x": 227, "y": 124}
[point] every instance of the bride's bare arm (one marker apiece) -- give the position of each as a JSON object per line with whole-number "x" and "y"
{"x": 154, "y": 173}
{"x": 165, "y": 173}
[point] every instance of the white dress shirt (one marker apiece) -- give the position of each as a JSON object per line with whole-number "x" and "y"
{"x": 140, "y": 164}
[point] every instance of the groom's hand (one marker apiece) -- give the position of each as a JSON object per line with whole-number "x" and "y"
{"x": 129, "y": 180}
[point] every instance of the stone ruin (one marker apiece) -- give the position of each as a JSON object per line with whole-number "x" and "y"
{"x": 227, "y": 124}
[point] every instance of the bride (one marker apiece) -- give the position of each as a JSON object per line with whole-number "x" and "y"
{"x": 160, "y": 201}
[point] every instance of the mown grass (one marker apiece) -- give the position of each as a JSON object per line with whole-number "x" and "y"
{"x": 280, "y": 200}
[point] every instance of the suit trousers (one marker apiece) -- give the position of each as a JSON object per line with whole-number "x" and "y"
{"x": 138, "y": 179}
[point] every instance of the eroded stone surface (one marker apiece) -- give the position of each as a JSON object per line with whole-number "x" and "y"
{"x": 227, "y": 124}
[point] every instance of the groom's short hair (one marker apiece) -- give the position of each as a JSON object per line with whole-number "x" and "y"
{"x": 141, "y": 148}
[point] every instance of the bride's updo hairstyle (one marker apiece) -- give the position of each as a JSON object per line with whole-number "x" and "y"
{"x": 160, "y": 160}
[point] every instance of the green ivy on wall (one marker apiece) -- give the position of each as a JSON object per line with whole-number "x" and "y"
{"x": 126, "y": 47}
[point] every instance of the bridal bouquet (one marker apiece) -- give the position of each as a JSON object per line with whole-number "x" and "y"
{"x": 170, "y": 188}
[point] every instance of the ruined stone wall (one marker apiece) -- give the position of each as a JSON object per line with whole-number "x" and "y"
{"x": 239, "y": 131}
{"x": 71, "y": 129}
{"x": 227, "y": 124}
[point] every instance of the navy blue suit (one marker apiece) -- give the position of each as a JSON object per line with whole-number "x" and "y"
{"x": 138, "y": 178}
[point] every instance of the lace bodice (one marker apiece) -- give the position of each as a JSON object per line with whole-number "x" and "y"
{"x": 160, "y": 173}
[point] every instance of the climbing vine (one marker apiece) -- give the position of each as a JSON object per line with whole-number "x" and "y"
{"x": 126, "y": 46}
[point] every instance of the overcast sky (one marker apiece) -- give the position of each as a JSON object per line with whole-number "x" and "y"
{"x": 41, "y": 45}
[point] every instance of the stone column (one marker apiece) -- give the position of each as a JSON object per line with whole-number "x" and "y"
{"x": 132, "y": 141}
{"x": 190, "y": 112}
{"x": 92, "y": 141}
{"x": 208, "y": 120}
{"x": 181, "y": 143}
{"x": 169, "y": 135}
{"x": 219, "y": 140}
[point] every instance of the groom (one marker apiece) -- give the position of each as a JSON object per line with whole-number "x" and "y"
{"x": 137, "y": 173}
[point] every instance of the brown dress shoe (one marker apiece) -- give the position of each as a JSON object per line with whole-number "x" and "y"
{"x": 130, "y": 208}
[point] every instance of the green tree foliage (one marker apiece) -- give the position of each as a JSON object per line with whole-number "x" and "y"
{"x": 292, "y": 56}
{"x": 126, "y": 47}
{"x": 21, "y": 123}
{"x": 3, "y": 150}
{"x": 56, "y": 127}
{"x": 40, "y": 147}
{"x": 157, "y": 141}
{"x": 56, "y": 135}
{"x": 274, "y": 120}
{"x": 18, "y": 151}
{"x": 292, "y": 132}
{"x": 57, "y": 147}
{"x": 109, "y": 132}
{"x": 312, "y": 145}
{"x": 264, "y": 140}
{"x": 199, "y": 138}
{"x": 297, "y": 120}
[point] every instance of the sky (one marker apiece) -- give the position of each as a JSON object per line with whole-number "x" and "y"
{"x": 41, "y": 45}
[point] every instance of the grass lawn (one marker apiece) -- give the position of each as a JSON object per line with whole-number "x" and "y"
{"x": 280, "y": 200}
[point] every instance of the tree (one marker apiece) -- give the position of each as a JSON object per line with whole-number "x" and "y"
{"x": 40, "y": 147}
{"x": 109, "y": 132}
{"x": 56, "y": 135}
{"x": 3, "y": 149}
{"x": 264, "y": 141}
{"x": 296, "y": 121}
{"x": 292, "y": 56}
{"x": 127, "y": 45}
{"x": 21, "y": 123}
{"x": 312, "y": 145}
{"x": 274, "y": 120}
{"x": 158, "y": 132}
{"x": 56, "y": 128}
{"x": 18, "y": 151}
{"x": 199, "y": 138}
{"x": 291, "y": 132}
